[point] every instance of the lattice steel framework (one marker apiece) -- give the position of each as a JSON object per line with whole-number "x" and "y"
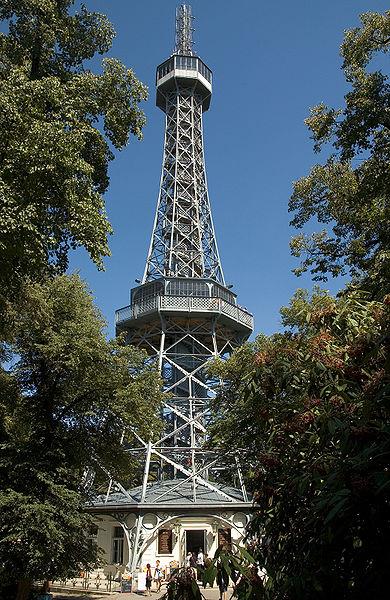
{"x": 184, "y": 42}
{"x": 183, "y": 314}
{"x": 183, "y": 241}
{"x": 183, "y": 348}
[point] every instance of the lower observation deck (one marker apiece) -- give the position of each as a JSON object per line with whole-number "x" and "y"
{"x": 238, "y": 317}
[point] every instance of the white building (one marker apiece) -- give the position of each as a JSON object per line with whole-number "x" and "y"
{"x": 169, "y": 530}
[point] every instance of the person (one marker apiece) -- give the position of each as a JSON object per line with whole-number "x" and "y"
{"x": 200, "y": 563}
{"x": 158, "y": 575}
{"x": 200, "y": 558}
{"x": 207, "y": 563}
{"x": 149, "y": 579}
{"x": 255, "y": 578}
{"x": 189, "y": 560}
{"x": 222, "y": 581}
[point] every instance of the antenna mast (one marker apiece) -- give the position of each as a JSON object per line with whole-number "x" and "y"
{"x": 184, "y": 29}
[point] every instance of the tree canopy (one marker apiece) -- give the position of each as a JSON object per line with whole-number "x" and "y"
{"x": 350, "y": 192}
{"x": 65, "y": 401}
{"x": 67, "y": 395}
{"x": 59, "y": 124}
{"x": 308, "y": 409}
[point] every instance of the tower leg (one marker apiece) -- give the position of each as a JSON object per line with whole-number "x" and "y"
{"x": 134, "y": 550}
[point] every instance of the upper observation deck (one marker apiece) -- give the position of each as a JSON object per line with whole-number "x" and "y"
{"x": 188, "y": 70}
{"x": 183, "y": 296}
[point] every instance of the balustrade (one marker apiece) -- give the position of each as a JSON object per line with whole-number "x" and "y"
{"x": 184, "y": 304}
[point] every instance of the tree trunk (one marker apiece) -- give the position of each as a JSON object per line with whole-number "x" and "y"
{"x": 24, "y": 588}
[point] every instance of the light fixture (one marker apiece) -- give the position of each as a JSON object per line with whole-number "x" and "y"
{"x": 229, "y": 287}
{"x": 137, "y": 280}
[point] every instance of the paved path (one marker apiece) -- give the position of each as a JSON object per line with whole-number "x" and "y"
{"x": 209, "y": 594}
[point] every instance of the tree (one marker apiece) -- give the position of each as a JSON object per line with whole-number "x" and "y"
{"x": 350, "y": 193}
{"x": 309, "y": 412}
{"x": 308, "y": 409}
{"x": 58, "y": 125}
{"x": 65, "y": 401}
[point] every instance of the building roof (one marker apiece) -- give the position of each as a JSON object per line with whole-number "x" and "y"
{"x": 170, "y": 492}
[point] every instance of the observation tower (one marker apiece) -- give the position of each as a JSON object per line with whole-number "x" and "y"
{"x": 184, "y": 315}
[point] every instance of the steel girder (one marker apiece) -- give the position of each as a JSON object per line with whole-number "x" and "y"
{"x": 183, "y": 347}
{"x": 183, "y": 241}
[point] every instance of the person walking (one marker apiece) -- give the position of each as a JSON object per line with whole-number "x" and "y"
{"x": 158, "y": 575}
{"x": 222, "y": 581}
{"x": 149, "y": 579}
{"x": 207, "y": 563}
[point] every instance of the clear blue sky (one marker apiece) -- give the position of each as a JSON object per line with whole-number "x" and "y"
{"x": 271, "y": 61}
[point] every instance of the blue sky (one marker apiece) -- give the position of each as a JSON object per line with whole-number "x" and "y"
{"x": 271, "y": 61}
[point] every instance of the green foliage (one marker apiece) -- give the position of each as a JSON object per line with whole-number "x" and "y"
{"x": 66, "y": 398}
{"x": 57, "y": 122}
{"x": 237, "y": 566}
{"x": 308, "y": 411}
{"x": 183, "y": 586}
{"x": 350, "y": 193}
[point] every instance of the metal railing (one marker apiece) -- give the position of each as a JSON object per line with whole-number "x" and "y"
{"x": 184, "y": 304}
{"x": 96, "y": 582}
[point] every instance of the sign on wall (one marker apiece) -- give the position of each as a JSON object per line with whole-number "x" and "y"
{"x": 165, "y": 538}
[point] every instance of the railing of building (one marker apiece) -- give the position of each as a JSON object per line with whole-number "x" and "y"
{"x": 185, "y": 304}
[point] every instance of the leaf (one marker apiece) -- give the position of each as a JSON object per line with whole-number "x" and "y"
{"x": 335, "y": 510}
{"x": 195, "y": 589}
{"x": 245, "y": 554}
{"x": 225, "y": 563}
{"x": 210, "y": 574}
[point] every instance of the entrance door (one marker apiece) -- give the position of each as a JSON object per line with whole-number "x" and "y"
{"x": 195, "y": 539}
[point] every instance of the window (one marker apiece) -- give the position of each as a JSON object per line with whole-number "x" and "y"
{"x": 92, "y": 535}
{"x": 165, "y": 541}
{"x": 221, "y": 292}
{"x": 117, "y": 545}
{"x": 186, "y": 62}
{"x": 147, "y": 291}
{"x": 204, "y": 71}
{"x": 185, "y": 287}
{"x": 93, "y": 530}
{"x": 164, "y": 69}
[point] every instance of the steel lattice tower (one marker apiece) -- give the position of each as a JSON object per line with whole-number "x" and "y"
{"x": 183, "y": 314}
{"x": 183, "y": 242}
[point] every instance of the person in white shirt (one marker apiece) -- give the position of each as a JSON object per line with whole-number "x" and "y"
{"x": 200, "y": 558}
{"x": 200, "y": 563}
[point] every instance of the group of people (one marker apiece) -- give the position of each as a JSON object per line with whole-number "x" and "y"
{"x": 197, "y": 561}
{"x": 157, "y": 576}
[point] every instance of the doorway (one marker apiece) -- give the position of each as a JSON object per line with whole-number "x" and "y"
{"x": 195, "y": 539}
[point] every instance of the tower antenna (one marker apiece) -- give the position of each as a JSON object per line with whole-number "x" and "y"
{"x": 183, "y": 39}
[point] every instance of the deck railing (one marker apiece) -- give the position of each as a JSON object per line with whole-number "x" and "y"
{"x": 184, "y": 304}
